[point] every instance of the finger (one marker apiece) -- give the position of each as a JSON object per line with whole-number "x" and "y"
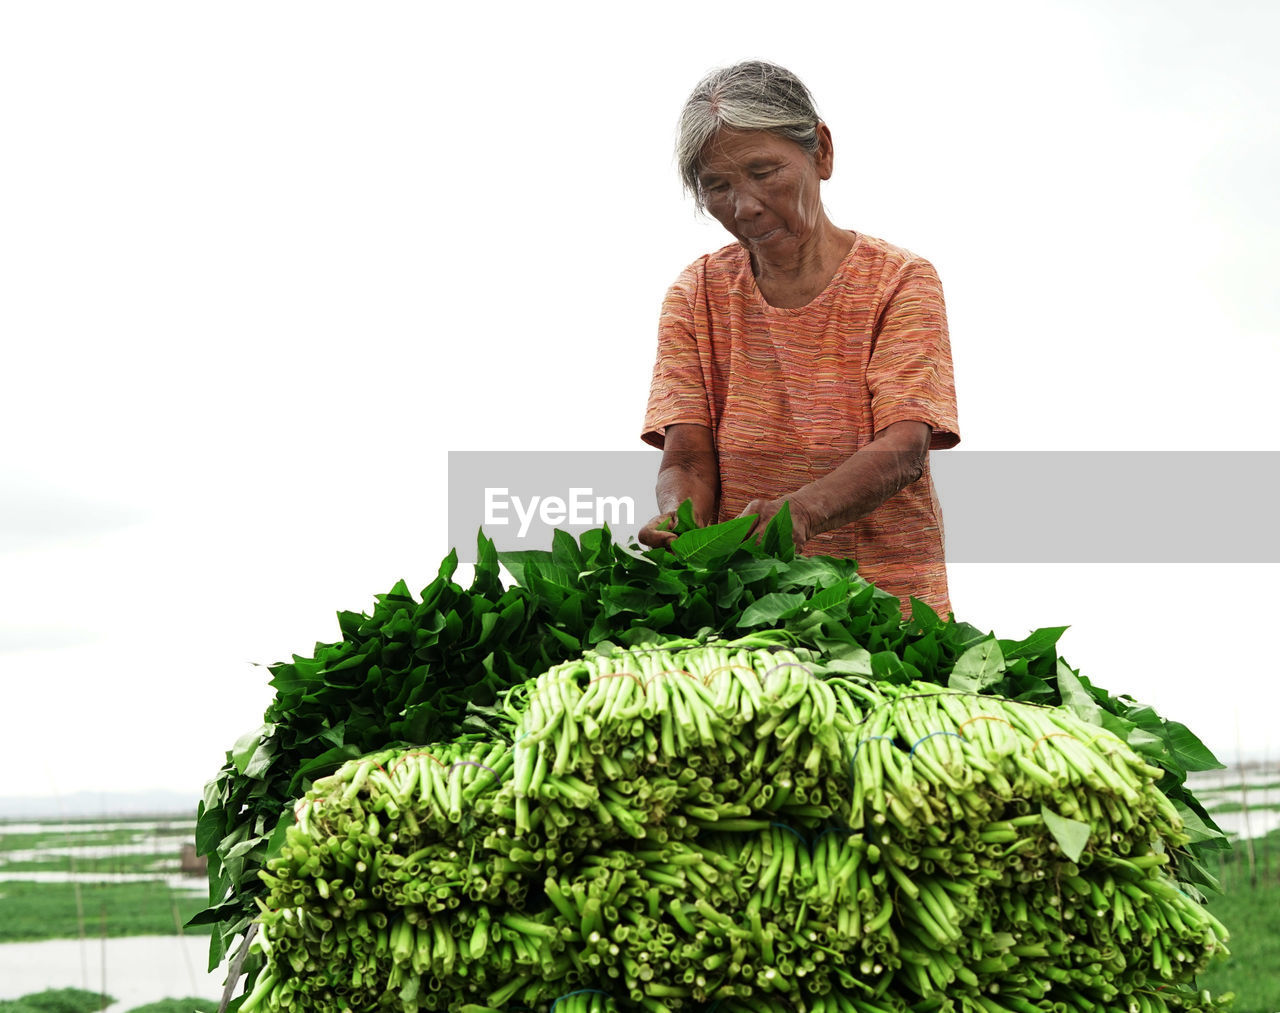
{"x": 656, "y": 538}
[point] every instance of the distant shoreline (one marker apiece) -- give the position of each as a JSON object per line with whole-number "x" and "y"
{"x": 81, "y": 805}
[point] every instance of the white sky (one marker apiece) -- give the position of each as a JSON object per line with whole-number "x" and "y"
{"x": 265, "y": 264}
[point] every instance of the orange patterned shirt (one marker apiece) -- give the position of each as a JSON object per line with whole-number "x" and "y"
{"x": 789, "y": 394}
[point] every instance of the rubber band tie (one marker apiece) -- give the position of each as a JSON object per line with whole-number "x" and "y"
{"x": 581, "y": 991}
{"x": 786, "y": 664}
{"x": 886, "y": 738}
{"x": 983, "y": 717}
{"x": 706, "y": 679}
{"x": 1052, "y": 735}
{"x": 731, "y": 668}
{"x": 931, "y": 735}
{"x": 472, "y": 763}
{"x": 799, "y": 836}
{"x": 614, "y": 675}
{"x": 672, "y": 671}
{"x": 408, "y": 756}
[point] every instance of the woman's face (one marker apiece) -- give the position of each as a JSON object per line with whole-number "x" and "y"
{"x": 765, "y": 189}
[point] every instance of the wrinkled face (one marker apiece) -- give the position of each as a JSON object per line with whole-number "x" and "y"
{"x": 764, "y": 188}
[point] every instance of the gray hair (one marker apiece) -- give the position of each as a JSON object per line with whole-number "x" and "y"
{"x": 753, "y": 95}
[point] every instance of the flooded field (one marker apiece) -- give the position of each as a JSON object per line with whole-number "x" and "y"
{"x": 1245, "y": 803}
{"x": 136, "y": 971}
{"x": 115, "y": 894}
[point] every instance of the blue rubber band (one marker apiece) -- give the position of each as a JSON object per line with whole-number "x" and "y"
{"x": 783, "y": 826}
{"x": 581, "y": 991}
{"x": 931, "y": 735}
{"x": 887, "y": 738}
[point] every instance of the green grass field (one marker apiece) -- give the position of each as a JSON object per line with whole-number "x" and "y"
{"x": 158, "y": 862}
{"x": 31, "y": 909}
{"x": 34, "y": 911}
{"x": 1250, "y": 909}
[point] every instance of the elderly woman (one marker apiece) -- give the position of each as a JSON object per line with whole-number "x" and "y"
{"x": 803, "y": 363}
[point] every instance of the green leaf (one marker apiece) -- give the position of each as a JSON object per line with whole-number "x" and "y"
{"x": 242, "y": 752}
{"x": 852, "y": 661}
{"x": 1197, "y": 829}
{"x": 684, "y": 518}
{"x": 1031, "y": 688}
{"x": 923, "y": 617}
{"x": 964, "y": 635}
{"x": 1188, "y": 750}
{"x": 812, "y": 571}
{"x": 707, "y": 546}
{"x": 328, "y": 761}
{"x": 1071, "y": 835}
{"x": 980, "y": 667}
{"x": 730, "y": 590}
{"x": 517, "y": 561}
{"x": 262, "y": 759}
{"x": 888, "y": 666}
{"x": 1193, "y": 873}
{"x": 1075, "y": 697}
{"x": 770, "y": 609}
{"x": 209, "y": 830}
{"x": 1150, "y": 746}
{"x": 778, "y": 540}
{"x": 833, "y": 599}
{"x": 1040, "y": 642}
{"x": 448, "y": 565}
{"x": 279, "y": 835}
{"x": 215, "y": 913}
{"x": 750, "y": 571}
{"x": 486, "y": 567}
{"x": 565, "y": 551}
{"x": 597, "y": 547}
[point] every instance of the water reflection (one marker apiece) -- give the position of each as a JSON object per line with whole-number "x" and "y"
{"x": 136, "y": 970}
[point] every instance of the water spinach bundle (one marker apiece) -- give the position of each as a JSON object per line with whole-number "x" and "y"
{"x": 436, "y": 669}
{"x": 735, "y": 826}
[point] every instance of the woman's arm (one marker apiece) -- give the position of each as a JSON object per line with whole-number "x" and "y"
{"x": 688, "y": 471}
{"x": 886, "y": 465}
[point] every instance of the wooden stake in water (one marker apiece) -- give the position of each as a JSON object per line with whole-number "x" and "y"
{"x": 103, "y": 991}
{"x": 1244, "y": 811}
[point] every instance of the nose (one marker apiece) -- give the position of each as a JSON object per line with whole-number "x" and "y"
{"x": 746, "y": 204}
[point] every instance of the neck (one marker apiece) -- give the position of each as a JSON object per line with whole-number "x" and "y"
{"x": 799, "y": 276}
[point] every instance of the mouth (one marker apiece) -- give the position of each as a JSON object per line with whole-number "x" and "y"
{"x": 763, "y": 236}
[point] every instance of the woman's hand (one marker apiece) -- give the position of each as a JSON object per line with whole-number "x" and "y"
{"x": 766, "y": 509}
{"x": 659, "y": 532}
{"x": 688, "y": 471}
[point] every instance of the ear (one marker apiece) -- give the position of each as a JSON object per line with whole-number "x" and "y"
{"x": 824, "y": 157}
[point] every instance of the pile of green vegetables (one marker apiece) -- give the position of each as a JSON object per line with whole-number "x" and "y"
{"x": 637, "y": 838}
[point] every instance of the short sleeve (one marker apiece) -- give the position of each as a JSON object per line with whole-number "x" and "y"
{"x": 678, "y": 392}
{"x": 909, "y": 374}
